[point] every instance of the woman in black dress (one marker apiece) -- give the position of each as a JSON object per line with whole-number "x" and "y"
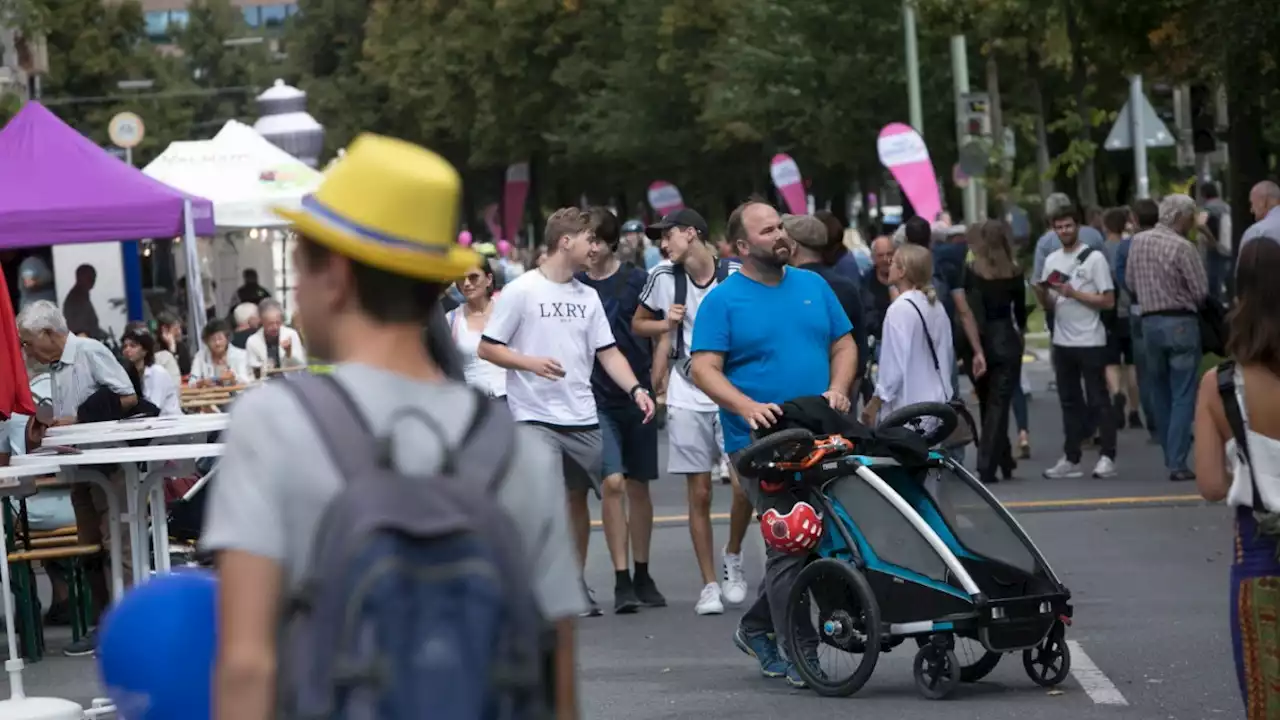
{"x": 996, "y": 292}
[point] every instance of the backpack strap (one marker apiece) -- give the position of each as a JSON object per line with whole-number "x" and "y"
{"x": 679, "y": 294}
{"x": 1235, "y": 419}
{"x": 1085, "y": 252}
{"x": 340, "y": 422}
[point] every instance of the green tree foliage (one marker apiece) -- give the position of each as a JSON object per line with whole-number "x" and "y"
{"x": 92, "y": 47}
{"x": 221, "y": 62}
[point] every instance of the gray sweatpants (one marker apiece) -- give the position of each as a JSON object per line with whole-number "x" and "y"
{"x": 768, "y": 614}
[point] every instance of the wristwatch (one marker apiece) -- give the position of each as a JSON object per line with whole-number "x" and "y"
{"x": 640, "y": 388}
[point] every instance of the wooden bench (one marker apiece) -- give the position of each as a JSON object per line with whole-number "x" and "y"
{"x": 54, "y": 553}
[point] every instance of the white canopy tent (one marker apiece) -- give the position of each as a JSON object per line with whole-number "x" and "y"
{"x": 245, "y": 177}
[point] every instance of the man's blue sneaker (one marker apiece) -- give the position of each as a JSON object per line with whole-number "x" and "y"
{"x": 795, "y": 679}
{"x": 764, "y": 649}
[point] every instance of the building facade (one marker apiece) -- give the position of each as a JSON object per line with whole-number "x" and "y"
{"x": 265, "y": 16}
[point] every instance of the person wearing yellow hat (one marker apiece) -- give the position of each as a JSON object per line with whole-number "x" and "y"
{"x": 376, "y": 246}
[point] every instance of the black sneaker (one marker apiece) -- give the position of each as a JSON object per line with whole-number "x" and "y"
{"x": 647, "y": 593}
{"x": 1135, "y": 421}
{"x": 59, "y": 614}
{"x": 84, "y": 647}
{"x": 593, "y": 608}
{"x": 1182, "y": 476}
{"x": 625, "y": 601}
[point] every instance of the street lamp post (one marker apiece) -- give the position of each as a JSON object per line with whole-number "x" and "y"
{"x": 913, "y": 66}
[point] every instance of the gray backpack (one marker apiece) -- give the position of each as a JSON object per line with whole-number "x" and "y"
{"x": 417, "y": 602}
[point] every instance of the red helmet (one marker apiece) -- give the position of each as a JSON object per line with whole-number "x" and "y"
{"x": 797, "y": 532}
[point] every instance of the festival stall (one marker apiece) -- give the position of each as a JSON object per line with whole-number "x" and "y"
{"x": 58, "y": 188}
{"x": 245, "y": 176}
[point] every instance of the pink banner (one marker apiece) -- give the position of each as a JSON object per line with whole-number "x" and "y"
{"x": 903, "y": 151}
{"x": 786, "y": 177}
{"x": 513, "y": 196}
{"x": 665, "y": 197}
{"x": 491, "y": 221}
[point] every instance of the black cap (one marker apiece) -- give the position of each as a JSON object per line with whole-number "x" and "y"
{"x": 684, "y": 217}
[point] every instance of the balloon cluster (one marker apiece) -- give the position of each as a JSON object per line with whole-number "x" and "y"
{"x": 464, "y": 238}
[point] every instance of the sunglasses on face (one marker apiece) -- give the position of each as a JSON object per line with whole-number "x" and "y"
{"x": 473, "y": 278}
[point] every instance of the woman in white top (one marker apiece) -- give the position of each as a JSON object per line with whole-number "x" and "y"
{"x": 1222, "y": 473}
{"x": 908, "y": 373}
{"x": 219, "y": 362}
{"x": 158, "y": 388}
{"x": 466, "y": 323}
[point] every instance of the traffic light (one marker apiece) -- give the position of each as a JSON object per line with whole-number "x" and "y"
{"x": 1203, "y": 120}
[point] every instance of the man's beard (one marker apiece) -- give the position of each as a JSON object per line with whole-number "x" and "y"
{"x": 771, "y": 258}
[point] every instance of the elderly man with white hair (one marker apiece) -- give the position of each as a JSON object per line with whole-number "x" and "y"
{"x": 1168, "y": 280}
{"x": 247, "y": 321}
{"x": 274, "y": 345}
{"x": 84, "y": 373}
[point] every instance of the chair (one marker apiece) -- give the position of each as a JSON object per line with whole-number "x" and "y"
{"x": 29, "y": 547}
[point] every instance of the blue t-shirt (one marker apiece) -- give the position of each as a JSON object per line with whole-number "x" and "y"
{"x": 776, "y": 341}
{"x": 620, "y": 295}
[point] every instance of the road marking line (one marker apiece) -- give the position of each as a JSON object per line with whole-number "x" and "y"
{"x": 1096, "y": 684}
{"x": 1012, "y": 505}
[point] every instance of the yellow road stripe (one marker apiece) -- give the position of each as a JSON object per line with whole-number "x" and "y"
{"x": 1014, "y": 505}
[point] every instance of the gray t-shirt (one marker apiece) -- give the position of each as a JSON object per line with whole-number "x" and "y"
{"x": 1074, "y": 323}
{"x": 1123, "y": 301}
{"x": 275, "y": 478}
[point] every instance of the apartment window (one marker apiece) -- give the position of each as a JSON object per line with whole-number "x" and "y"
{"x": 273, "y": 16}
{"x": 157, "y": 23}
{"x": 179, "y": 18}
{"x": 293, "y": 9}
{"x": 251, "y": 16}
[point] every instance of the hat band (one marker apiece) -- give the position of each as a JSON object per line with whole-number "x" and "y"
{"x": 330, "y": 217}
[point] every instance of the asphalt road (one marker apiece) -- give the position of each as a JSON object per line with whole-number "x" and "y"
{"x": 1147, "y": 564}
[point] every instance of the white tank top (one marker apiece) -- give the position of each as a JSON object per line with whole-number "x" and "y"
{"x": 1265, "y": 452}
{"x": 480, "y": 374}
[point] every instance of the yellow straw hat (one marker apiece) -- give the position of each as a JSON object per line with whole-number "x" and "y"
{"x": 390, "y": 205}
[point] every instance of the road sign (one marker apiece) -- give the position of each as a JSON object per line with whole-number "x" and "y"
{"x": 974, "y": 157}
{"x": 1154, "y": 131}
{"x": 126, "y": 130}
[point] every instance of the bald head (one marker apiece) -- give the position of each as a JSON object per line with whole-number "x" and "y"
{"x": 1263, "y": 197}
{"x": 882, "y": 254}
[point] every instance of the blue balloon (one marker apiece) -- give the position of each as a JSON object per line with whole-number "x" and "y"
{"x": 156, "y": 648}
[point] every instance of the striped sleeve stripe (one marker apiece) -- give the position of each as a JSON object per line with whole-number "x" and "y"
{"x": 650, "y": 283}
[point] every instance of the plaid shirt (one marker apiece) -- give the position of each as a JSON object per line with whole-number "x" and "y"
{"x": 1164, "y": 272}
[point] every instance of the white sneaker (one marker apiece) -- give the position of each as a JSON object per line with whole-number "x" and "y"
{"x": 734, "y": 586}
{"x": 1105, "y": 468}
{"x": 720, "y": 473}
{"x": 709, "y": 602}
{"x": 1064, "y": 469}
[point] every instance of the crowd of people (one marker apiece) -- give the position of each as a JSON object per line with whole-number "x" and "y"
{"x": 617, "y": 331}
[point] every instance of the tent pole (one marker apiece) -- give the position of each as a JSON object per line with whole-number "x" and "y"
{"x": 195, "y": 283}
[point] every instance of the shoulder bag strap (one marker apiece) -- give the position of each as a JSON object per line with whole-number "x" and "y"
{"x": 1235, "y": 419}
{"x": 679, "y": 294}
{"x": 933, "y": 353}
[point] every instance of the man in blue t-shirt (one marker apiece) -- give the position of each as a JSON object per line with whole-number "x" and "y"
{"x": 766, "y": 335}
{"x": 629, "y": 444}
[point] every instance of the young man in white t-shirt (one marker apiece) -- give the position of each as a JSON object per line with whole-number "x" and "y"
{"x": 548, "y": 329}
{"x": 693, "y": 420}
{"x": 1076, "y": 283}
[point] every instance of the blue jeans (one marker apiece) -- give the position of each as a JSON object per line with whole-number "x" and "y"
{"x": 1140, "y": 369}
{"x": 1173, "y": 364}
{"x": 1020, "y": 408}
{"x": 1218, "y": 269}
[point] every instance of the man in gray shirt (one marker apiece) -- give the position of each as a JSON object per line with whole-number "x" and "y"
{"x": 79, "y": 368}
{"x": 364, "y": 311}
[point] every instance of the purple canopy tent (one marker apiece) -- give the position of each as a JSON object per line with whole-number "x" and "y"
{"x": 58, "y": 187}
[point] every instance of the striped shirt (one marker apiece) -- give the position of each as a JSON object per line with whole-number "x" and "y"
{"x": 85, "y": 367}
{"x": 1165, "y": 272}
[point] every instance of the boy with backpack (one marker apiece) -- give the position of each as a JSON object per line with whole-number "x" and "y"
{"x": 673, "y": 293}
{"x": 386, "y": 539}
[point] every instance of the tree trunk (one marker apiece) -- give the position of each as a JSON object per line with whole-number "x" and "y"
{"x": 1042, "y": 134}
{"x": 1248, "y": 154}
{"x": 1086, "y": 180}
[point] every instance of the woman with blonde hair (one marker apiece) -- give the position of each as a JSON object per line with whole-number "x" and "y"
{"x": 916, "y": 352}
{"x": 997, "y": 294}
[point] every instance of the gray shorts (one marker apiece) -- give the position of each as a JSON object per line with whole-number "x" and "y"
{"x": 694, "y": 441}
{"x": 581, "y": 454}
